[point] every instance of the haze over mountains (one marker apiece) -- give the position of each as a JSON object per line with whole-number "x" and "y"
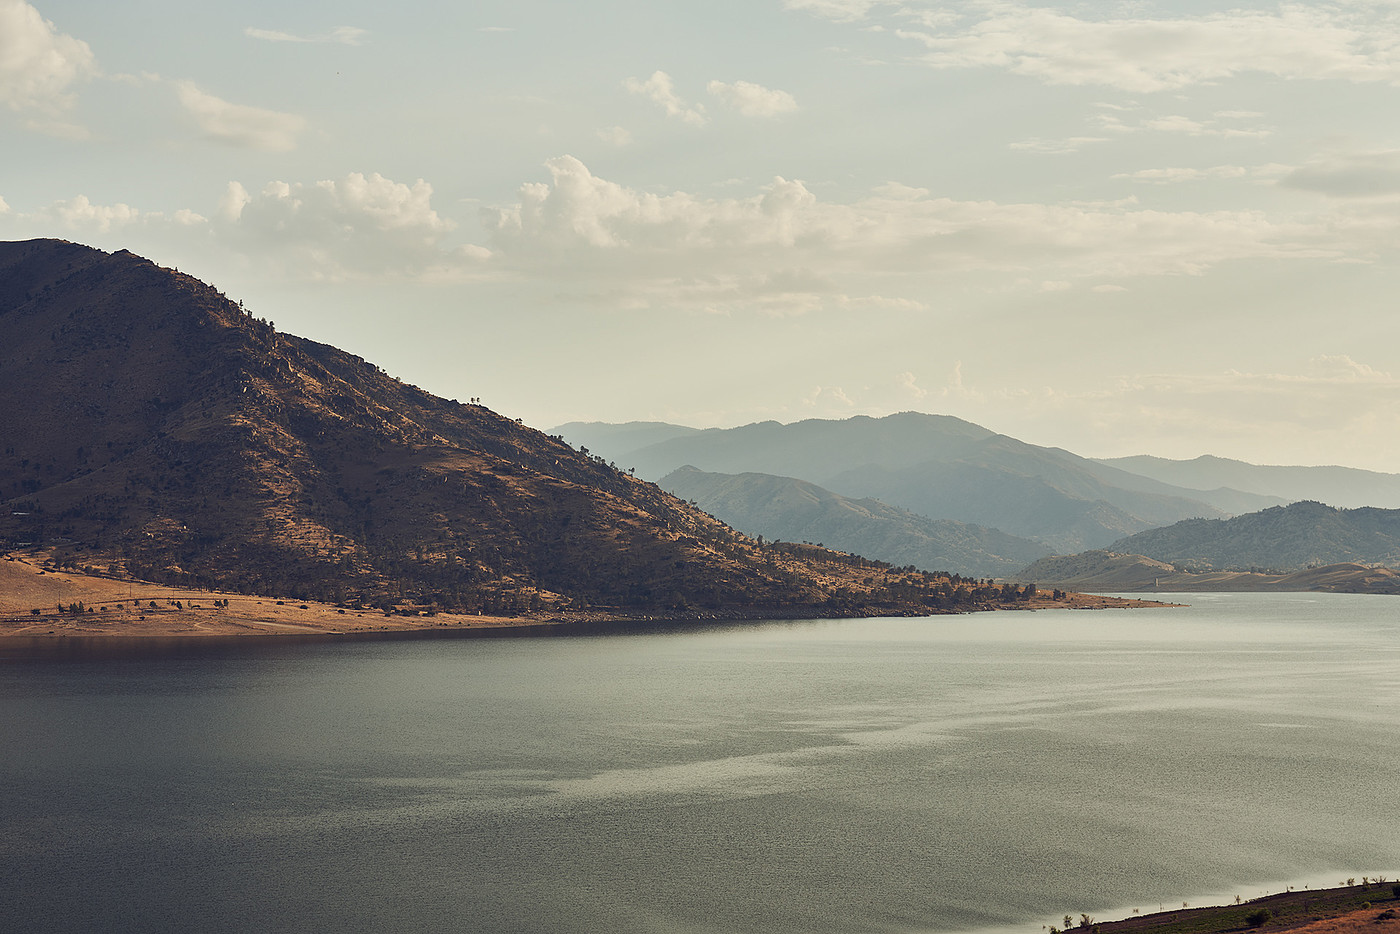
{"x": 934, "y": 465}
{"x": 1345, "y": 487}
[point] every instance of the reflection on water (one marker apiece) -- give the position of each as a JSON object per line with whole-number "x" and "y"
{"x": 948, "y": 774}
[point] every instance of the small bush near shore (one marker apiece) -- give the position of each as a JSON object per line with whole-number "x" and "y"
{"x": 1258, "y": 918}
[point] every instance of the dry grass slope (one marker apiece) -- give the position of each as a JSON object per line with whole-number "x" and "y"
{"x": 154, "y": 430}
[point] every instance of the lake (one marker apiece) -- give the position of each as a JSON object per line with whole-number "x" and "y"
{"x": 951, "y": 774}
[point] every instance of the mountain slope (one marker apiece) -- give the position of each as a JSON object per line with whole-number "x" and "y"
{"x": 1106, "y": 571}
{"x": 154, "y": 426}
{"x": 1284, "y": 538}
{"x": 784, "y": 508}
{"x": 1345, "y": 487}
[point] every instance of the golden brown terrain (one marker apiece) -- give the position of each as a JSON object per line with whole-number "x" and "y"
{"x": 1370, "y": 908}
{"x": 74, "y": 603}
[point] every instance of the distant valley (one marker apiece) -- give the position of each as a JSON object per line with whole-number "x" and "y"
{"x": 795, "y": 510}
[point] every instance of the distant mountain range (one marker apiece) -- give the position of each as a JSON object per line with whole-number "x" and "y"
{"x": 936, "y": 491}
{"x": 1346, "y": 487}
{"x": 935, "y": 466}
{"x": 798, "y": 511}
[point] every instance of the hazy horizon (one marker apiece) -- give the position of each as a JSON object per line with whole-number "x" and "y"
{"x": 1156, "y": 228}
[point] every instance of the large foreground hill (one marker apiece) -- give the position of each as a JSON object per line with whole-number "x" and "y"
{"x": 155, "y": 428}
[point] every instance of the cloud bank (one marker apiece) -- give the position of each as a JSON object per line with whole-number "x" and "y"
{"x": 39, "y": 66}
{"x": 1354, "y": 41}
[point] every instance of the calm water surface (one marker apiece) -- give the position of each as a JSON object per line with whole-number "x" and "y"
{"x": 945, "y": 774}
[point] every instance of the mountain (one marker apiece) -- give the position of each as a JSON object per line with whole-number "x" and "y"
{"x": 943, "y": 468}
{"x": 1347, "y": 487}
{"x": 157, "y": 430}
{"x": 1111, "y": 572}
{"x": 1284, "y": 538}
{"x": 795, "y": 510}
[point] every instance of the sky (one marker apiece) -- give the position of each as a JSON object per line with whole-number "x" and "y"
{"x": 1118, "y": 228}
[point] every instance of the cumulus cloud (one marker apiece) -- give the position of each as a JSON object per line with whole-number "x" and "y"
{"x": 82, "y": 216}
{"x": 660, "y": 90}
{"x": 240, "y": 124}
{"x": 342, "y": 35}
{"x": 753, "y": 100}
{"x": 358, "y": 225}
{"x": 1143, "y": 54}
{"x": 39, "y": 66}
{"x": 582, "y": 222}
{"x": 657, "y": 249}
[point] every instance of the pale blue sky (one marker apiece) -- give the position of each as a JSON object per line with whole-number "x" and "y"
{"x": 1166, "y": 228}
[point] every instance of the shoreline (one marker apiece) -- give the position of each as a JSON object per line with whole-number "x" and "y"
{"x": 39, "y": 604}
{"x": 1372, "y": 907}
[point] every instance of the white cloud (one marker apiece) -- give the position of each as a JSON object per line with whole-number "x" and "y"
{"x": 352, "y": 227}
{"x": 1176, "y": 123}
{"x": 841, "y": 11}
{"x": 661, "y": 90}
{"x": 828, "y": 397}
{"x": 1350, "y": 175}
{"x": 615, "y": 136}
{"x": 240, "y": 124}
{"x": 910, "y": 384}
{"x": 341, "y": 35}
{"x": 4, "y": 208}
{"x": 38, "y": 65}
{"x": 81, "y": 216}
{"x": 1180, "y": 174}
{"x": 1217, "y": 125}
{"x": 753, "y": 100}
{"x": 235, "y": 199}
{"x": 679, "y": 244}
{"x": 1141, "y": 54}
{"x": 1057, "y": 146}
